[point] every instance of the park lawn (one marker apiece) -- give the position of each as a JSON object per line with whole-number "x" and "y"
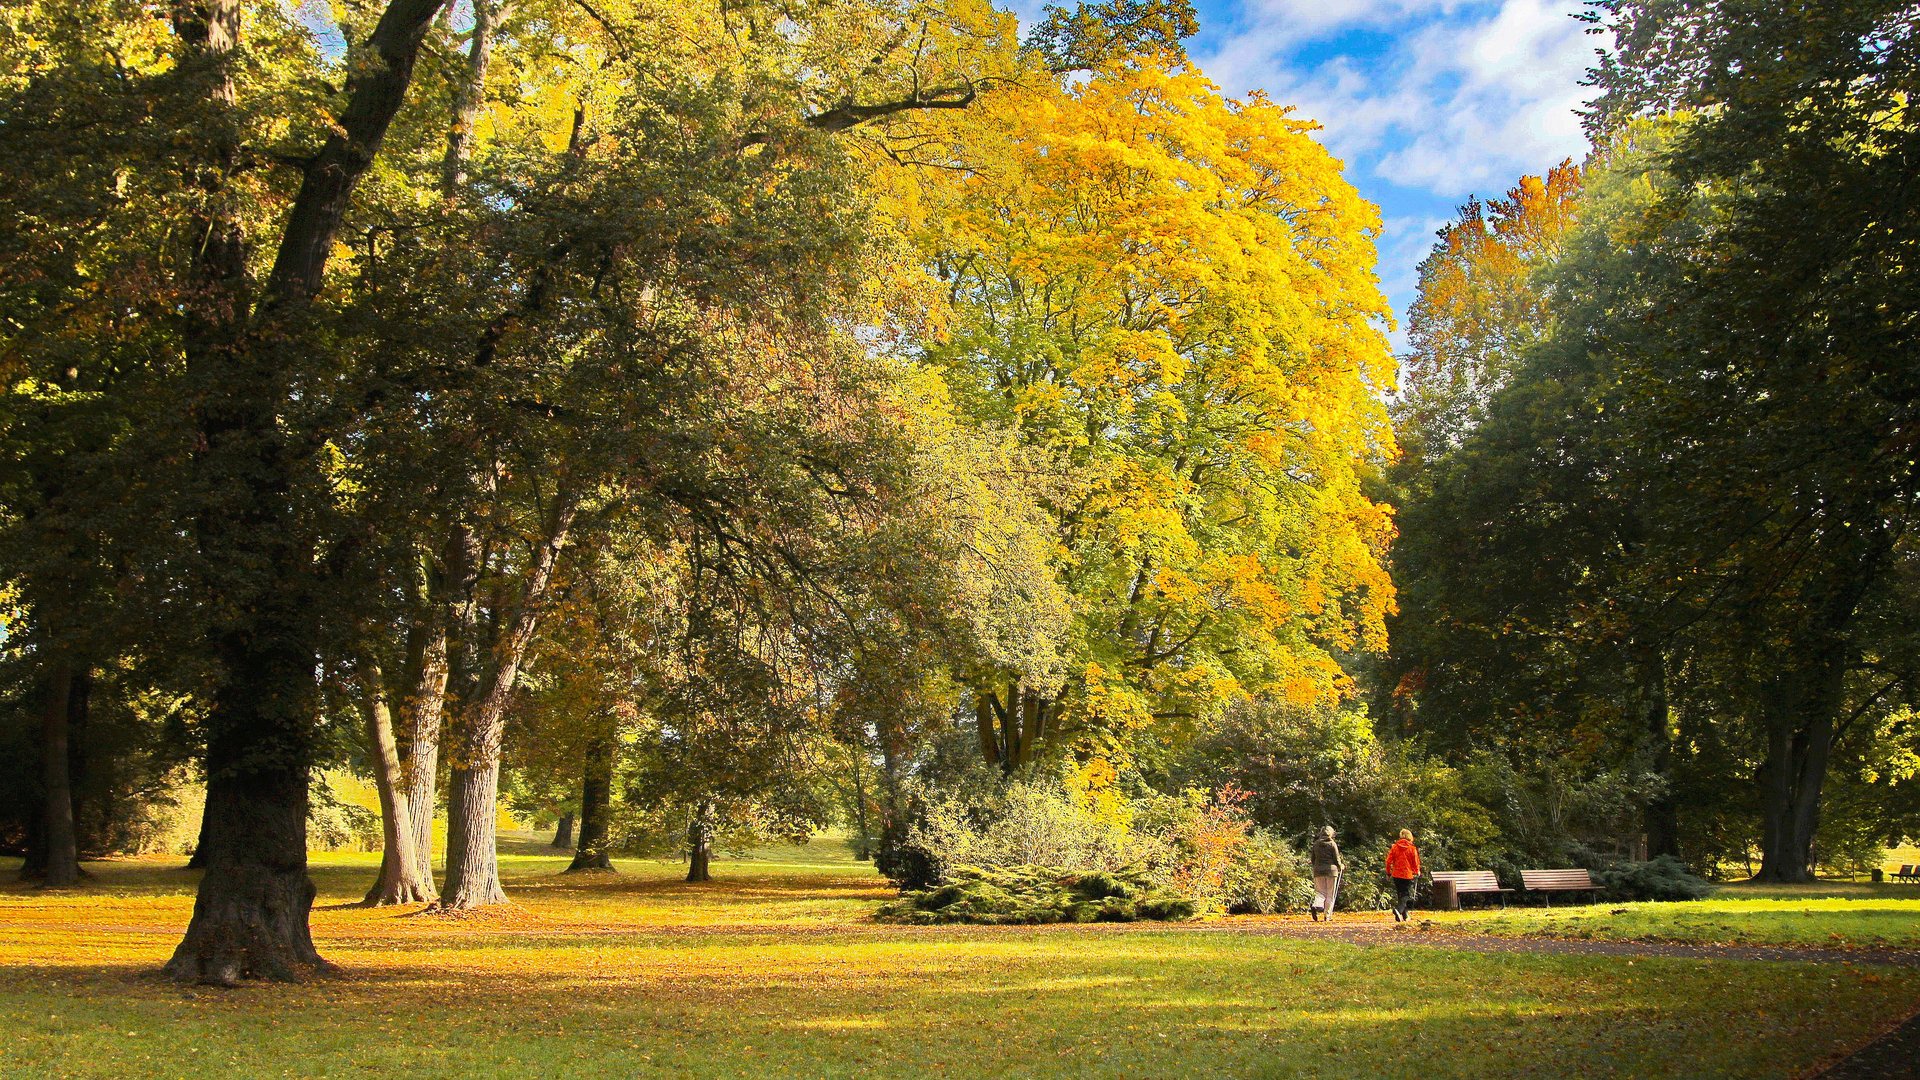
{"x": 776, "y": 970}
{"x": 1841, "y": 915}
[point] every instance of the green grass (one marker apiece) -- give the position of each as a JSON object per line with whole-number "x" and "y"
{"x": 1821, "y": 890}
{"x": 1813, "y": 922}
{"x": 775, "y": 970}
{"x": 1819, "y": 914}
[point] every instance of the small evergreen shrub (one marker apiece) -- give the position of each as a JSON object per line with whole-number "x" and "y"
{"x": 1662, "y": 878}
{"x": 1029, "y": 895}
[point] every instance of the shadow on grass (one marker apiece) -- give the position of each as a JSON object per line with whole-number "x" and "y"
{"x": 998, "y": 1005}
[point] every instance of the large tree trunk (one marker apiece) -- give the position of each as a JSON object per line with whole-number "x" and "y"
{"x": 984, "y": 724}
{"x": 62, "y": 865}
{"x": 596, "y": 801}
{"x": 250, "y": 915}
{"x": 863, "y": 828}
{"x": 470, "y": 95}
{"x": 1782, "y": 856}
{"x": 450, "y": 607}
{"x": 1793, "y": 776}
{"x": 473, "y": 860}
{"x": 1800, "y": 706}
{"x": 453, "y": 610}
{"x": 1661, "y": 819}
{"x": 700, "y": 846}
{"x": 400, "y": 880}
{"x": 473, "y": 863}
{"x": 1022, "y": 726}
{"x": 1032, "y": 720}
{"x": 563, "y": 832}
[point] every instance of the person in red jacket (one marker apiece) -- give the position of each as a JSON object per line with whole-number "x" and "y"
{"x": 1403, "y": 866}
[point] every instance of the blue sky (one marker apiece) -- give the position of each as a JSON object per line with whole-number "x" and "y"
{"x": 1427, "y": 102}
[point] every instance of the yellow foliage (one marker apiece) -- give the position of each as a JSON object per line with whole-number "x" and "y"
{"x": 1171, "y": 297}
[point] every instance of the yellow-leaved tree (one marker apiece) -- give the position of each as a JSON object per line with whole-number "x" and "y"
{"x": 1166, "y": 299}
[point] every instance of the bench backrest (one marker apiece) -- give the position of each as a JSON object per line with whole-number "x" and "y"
{"x": 1906, "y": 870}
{"x": 1556, "y": 879}
{"x": 1469, "y": 881}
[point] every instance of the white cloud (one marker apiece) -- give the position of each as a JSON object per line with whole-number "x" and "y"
{"x": 1469, "y": 96}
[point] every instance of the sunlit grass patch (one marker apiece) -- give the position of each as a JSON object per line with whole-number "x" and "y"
{"x": 775, "y": 969}
{"x": 1726, "y": 918}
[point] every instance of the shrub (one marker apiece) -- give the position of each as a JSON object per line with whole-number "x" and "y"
{"x": 1028, "y": 894}
{"x": 1365, "y": 886}
{"x": 1035, "y": 822}
{"x": 1662, "y": 878}
{"x": 1269, "y": 877}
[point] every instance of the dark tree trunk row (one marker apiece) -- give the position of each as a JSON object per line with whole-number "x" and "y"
{"x": 1802, "y": 701}
{"x": 1799, "y": 741}
{"x": 596, "y": 803}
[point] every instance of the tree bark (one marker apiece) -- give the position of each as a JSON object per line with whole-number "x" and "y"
{"x": 250, "y": 914}
{"x": 473, "y": 864}
{"x": 400, "y": 880}
{"x": 700, "y": 846}
{"x": 62, "y": 866}
{"x": 1010, "y": 727}
{"x": 460, "y": 556}
{"x": 1032, "y": 713}
{"x": 469, "y": 96}
{"x": 379, "y": 76}
{"x": 1661, "y": 819}
{"x": 983, "y": 722}
{"x": 596, "y": 801}
{"x": 563, "y": 831}
{"x": 863, "y": 829}
{"x": 450, "y": 608}
{"x": 1799, "y": 707}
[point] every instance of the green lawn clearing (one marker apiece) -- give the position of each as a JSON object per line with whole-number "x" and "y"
{"x": 775, "y": 969}
{"x": 1822, "y": 914}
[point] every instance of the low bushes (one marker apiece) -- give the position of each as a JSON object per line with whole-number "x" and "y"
{"x": 1028, "y": 895}
{"x": 1030, "y": 851}
{"x": 1662, "y": 878}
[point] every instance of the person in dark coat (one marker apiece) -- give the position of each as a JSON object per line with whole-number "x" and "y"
{"x": 1327, "y": 869}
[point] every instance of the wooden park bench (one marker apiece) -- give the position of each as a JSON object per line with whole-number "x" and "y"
{"x": 1548, "y": 882}
{"x": 1467, "y": 882}
{"x": 1906, "y": 873}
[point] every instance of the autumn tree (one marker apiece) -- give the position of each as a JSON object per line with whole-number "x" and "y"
{"x": 1482, "y": 301}
{"x": 1692, "y": 493}
{"x": 1166, "y": 299}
